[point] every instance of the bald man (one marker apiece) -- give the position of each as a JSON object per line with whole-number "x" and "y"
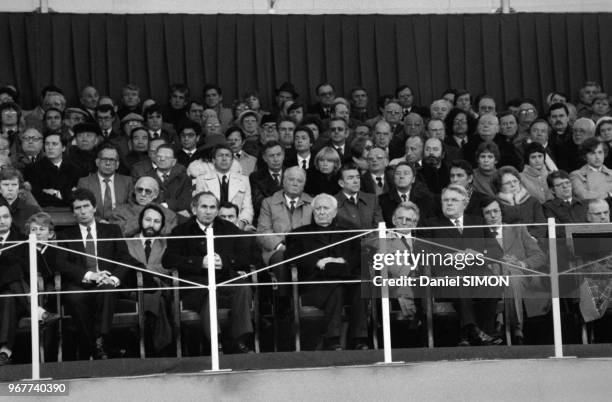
{"x": 146, "y": 191}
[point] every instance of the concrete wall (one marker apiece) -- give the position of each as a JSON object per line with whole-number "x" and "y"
{"x": 304, "y": 6}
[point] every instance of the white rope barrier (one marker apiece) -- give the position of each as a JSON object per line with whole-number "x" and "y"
{"x": 296, "y": 257}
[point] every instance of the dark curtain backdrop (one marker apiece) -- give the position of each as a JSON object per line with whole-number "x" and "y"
{"x": 507, "y": 56}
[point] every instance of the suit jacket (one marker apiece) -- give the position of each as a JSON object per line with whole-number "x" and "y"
{"x": 119, "y": 140}
{"x": 187, "y": 255}
{"x": 262, "y": 186}
{"x": 13, "y": 262}
{"x": 320, "y": 111}
{"x": 73, "y": 266}
{"x": 239, "y": 192}
{"x": 564, "y": 213}
{"x": 21, "y": 211}
{"x": 137, "y": 252}
{"x": 317, "y": 183}
{"x": 276, "y": 217}
{"x": 307, "y": 265}
{"x": 44, "y": 174}
{"x": 418, "y": 194}
{"x": 434, "y": 179}
{"x": 291, "y": 159}
{"x": 368, "y": 185}
{"x": 123, "y": 186}
{"x": 83, "y": 160}
{"x": 176, "y": 190}
{"x": 518, "y": 242}
{"x": 145, "y": 168}
{"x": 184, "y": 159}
{"x": 365, "y": 215}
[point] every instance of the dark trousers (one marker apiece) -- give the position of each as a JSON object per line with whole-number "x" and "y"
{"x": 331, "y": 299}
{"x": 92, "y": 311}
{"x": 11, "y": 309}
{"x": 239, "y": 298}
{"x": 479, "y": 312}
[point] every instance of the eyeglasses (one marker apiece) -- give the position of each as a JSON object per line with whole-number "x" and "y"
{"x": 511, "y": 182}
{"x": 32, "y": 139}
{"x": 526, "y": 111}
{"x": 108, "y": 160}
{"x": 393, "y": 112}
{"x": 336, "y": 129}
{"x": 141, "y": 190}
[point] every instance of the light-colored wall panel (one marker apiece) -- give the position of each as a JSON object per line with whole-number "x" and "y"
{"x": 305, "y": 6}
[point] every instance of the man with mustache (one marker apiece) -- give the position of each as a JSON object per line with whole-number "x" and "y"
{"x": 434, "y": 173}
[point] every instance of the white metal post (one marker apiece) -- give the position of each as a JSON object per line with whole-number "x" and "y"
{"x": 505, "y": 6}
{"x": 382, "y": 235}
{"x": 554, "y": 285}
{"x": 34, "y": 307}
{"x": 212, "y": 299}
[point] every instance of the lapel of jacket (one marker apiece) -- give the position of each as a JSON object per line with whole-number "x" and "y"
{"x": 235, "y": 183}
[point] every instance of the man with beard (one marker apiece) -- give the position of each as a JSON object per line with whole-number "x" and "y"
{"x": 434, "y": 173}
{"x": 148, "y": 250}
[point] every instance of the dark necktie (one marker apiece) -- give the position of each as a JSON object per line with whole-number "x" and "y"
{"x": 90, "y": 248}
{"x": 165, "y": 177}
{"x": 276, "y": 180}
{"x": 237, "y": 155}
{"x": 339, "y": 150}
{"x": 353, "y": 200}
{"x": 224, "y": 189}
{"x": 147, "y": 250}
{"x": 304, "y": 165}
{"x": 292, "y": 206}
{"x": 404, "y": 198}
{"x": 379, "y": 181}
{"x": 108, "y": 198}
{"x": 407, "y": 244}
{"x": 457, "y": 224}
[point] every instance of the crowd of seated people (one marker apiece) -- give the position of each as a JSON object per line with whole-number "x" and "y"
{"x": 140, "y": 168}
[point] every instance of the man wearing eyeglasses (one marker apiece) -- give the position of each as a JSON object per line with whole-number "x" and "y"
{"x": 31, "y": 148}
{"x": 106, "y": 116}
{"x": 146, "y": 191}
{"x": 564, "y": 207}
{"x": 111, "y": 189}
{"x": 338, "y": 134}
{"x": 326, "y": 94}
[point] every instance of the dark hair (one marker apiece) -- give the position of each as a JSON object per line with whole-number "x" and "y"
{"x": 139, "y": 129}
{"x": 461, "y": 92}
{"x": 312, "y": 119}
{"x": 11, "y": 105}
{"x": 10, "y": 173}
{"x": 382, "y": 101}
{"x": 227, "y": 204}
{"x": 50, "y": 88}
{"x": 194, "y": 125}
{"x": 209, "y": 86}
{"x": 450, "y": 119}
{"x": 179, "y": 87}
{"x": 106, "y": 108}
{"x": 295, "y": 106}
{"x": 271, "y": 144}
{"x": 307, "y": 130}
{"x": 401, "y": 88}
{"x": 559, "y": 174}
{"x": 405, "y": 163}
{"x": 106, "y": 145}
{"x": 345, "y": 167}
{"x": 156, "y": 208}
{"x": 153, "y": 108}
{"x": 219, "y": 147}
{"x": 537, "y": 121}
{"x": 496, "y": 181}
{"x": 53, "y": 109}
{"x": 488, "y": 146}
{"x": 11, "y": 91}
{"x": 86, "y": 128}
{"x": 231, "y": 130}
{"x": 533, "y": 148}
{"x": 506, "y": 113}
{"x": 63, "y": 139}
{"x": 357, "y": 146}
{"x": 590, "y": 145}
{"x": 82, "y": 194}
{"x": 323, "y": 84}
{"x": 556, "y": 106}
{"x": 462, "y": 164}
